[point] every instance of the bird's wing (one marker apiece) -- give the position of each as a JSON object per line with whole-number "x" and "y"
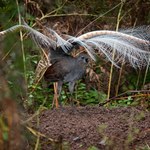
{"x": 59, "y": 69}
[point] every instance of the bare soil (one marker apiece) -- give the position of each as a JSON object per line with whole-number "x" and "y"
{"x": 83, "y": 128}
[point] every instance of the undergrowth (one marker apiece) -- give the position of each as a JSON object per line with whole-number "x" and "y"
{"x": 17, "y": 64}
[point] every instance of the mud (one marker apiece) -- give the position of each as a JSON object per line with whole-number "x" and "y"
{"x": 82, "y": 128}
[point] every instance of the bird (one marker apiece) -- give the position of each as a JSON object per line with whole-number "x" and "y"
{"x": 66, "y": 69}
{"x": 130, "y": 46}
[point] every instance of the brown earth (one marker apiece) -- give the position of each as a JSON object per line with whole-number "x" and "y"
{"x": 94, "y": 128}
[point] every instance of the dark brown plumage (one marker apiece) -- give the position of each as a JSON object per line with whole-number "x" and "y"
{"x": 66, "y": 69}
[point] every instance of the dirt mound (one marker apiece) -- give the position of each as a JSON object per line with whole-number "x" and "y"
{"x": 95, "y": 127}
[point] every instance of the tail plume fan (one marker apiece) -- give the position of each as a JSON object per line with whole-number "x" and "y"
{"x": 131, "y": 45}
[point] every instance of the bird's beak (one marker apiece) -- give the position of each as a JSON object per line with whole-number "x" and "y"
{"x": 86, "y": 60}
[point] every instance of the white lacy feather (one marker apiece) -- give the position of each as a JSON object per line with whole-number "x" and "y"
{"x": 131, "y": 45}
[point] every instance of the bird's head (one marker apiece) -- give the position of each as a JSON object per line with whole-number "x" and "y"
{"x": 83, "y": 57}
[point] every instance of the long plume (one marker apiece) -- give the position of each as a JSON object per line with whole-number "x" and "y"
{"x": 39, "y": 38}
{"x": 131, "y": 45}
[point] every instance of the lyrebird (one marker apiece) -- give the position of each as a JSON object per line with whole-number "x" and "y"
{"x": 130, "y": 46}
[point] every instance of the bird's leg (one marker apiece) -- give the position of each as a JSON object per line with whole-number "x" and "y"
{"x": 59, "y": 88}
{"x": 57, "y": 94}
{"x": 71, "y": 89}
{"x": 55, "y": 99}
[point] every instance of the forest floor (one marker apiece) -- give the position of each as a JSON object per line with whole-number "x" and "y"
{"x": 94, "y": 128}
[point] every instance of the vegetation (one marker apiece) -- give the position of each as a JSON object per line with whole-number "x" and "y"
{"x": 19, "y": 55}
